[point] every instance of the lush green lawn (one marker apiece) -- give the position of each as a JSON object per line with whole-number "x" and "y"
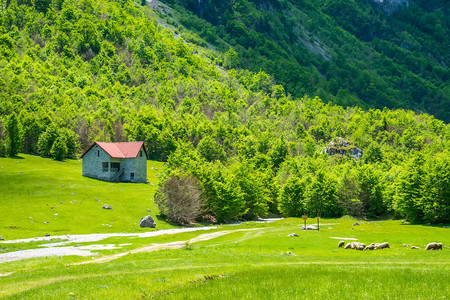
{"x": 250, "y": 264}
{"x": 34, "y": 190}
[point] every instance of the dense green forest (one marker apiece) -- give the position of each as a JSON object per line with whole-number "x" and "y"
{"x": 237, "y": 145}
{"x": 346, "y": 51}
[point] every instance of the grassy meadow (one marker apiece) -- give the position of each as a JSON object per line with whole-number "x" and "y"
{"x": 34, "y": 190}
{"x": 250, "y": 260}
{"x": 249, "y": 264}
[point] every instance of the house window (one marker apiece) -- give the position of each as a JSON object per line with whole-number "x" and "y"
{"x": 132, "y": 176}
{"x": 104, "y": 166}
{"x": 115, "y": 167}
{"x": 98, "y": 153}
{"x": 141, "y": 153}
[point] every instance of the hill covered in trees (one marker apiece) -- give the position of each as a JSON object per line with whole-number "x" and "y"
{"x": 350, "y": 52}
{"x": 74, "y": 72}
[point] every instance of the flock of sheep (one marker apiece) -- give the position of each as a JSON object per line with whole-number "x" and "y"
{"x": 373, "y": 246}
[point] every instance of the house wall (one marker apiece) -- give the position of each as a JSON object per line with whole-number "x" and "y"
{"x": 141, "y": 167}
{"x": 92, "y": 163}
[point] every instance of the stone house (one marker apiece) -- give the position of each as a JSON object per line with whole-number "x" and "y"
{"x": 122, "y": 162}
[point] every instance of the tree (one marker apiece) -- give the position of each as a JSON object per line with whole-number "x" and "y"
{"x": 59, "y": 149}
{"x": 210, "y": 150}
{"x": 13, "y": 128}
{"x": 321, "y": 196}
{"x": 179, "y": 198}
{"x": 292, "y": 198}
{"x": 410, "y": 189}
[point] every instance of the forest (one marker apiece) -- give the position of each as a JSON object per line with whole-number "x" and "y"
{"x": 238, "y": 141}
{"x": 349, "y": 52}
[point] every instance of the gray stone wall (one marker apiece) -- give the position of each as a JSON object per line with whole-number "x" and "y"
{"x": 141, "y": 168}
{"x": 92, "y": 163}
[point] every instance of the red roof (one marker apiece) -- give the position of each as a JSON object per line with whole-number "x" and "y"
{"x": 120, "y": 150}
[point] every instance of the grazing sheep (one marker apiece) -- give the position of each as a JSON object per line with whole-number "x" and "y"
{"x": 357, "y": 245}
{"x": 360, "y": 247}
{"x": 434, "y": 246}
{"x": 341, "y": 244}
{"x": 370, "y": 247}
{"x": 382, "y": 245}
{"x": 414, "y": 247}
{"x": 348, "y": 246}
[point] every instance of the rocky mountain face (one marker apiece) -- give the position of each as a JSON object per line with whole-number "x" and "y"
{"x": 391, "y": 6}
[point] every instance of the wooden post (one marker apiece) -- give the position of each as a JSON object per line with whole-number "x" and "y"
{"x": 305, "y": 217}
{"x": 318, "y": 227}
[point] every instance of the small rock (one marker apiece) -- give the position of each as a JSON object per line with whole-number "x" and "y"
{"x": 414, "y": 247}
{"x": 147, "y": 222}
{"x": 73, "y": 194}
{"x": 293, "y": 234}
{"x": 62, "y": 185}
{"x": 60, "y": 203}
{"x": 355, "y": 224}
{"x": 78, "y": 245}
{"x": 97, "y": 200}
{"x": 47, "y": 234}
{"x": 149, "y": 210}
{"x": 106, "y": 206}
{"x": 46, "y": 222}
{"x": 1, "y": 238}
{"x": 309, "y": 227}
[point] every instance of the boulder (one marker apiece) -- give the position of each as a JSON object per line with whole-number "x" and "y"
{"x": 1, "y": 238}
{"x": 355, "y": 224}
{"x": 105, "y": 206}
{"x": 293, "y": 234}
{"x": 147, "y": 222}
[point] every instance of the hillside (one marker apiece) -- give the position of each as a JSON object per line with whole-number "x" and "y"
{"x": 40, "y": 196}
{"x": 81, "y": 71}
{"x": 369, "y": 53}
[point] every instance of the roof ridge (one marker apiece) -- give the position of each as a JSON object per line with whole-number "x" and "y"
{"x": 115, "y": 145}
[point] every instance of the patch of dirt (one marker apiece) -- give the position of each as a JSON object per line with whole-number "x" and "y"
{"x": 343, "y": 238}
{"x": 171, "y": 245}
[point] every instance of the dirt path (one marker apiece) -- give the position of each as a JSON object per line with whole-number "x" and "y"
{"x": 171, "y": 245}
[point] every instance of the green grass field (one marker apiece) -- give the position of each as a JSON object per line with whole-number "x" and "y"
{"x": 34, "y": 190}
{"x": 249, "y": 262}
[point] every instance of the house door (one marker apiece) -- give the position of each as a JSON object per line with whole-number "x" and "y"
{"x": 132, "y": 176}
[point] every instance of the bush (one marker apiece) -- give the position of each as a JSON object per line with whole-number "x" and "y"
{"x": 179, "y": 198}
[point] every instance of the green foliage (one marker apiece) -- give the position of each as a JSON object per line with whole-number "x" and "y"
{"x": 14, "y": 130}
{"x": 292, "y": 198}
{"x": 59, "y": 149}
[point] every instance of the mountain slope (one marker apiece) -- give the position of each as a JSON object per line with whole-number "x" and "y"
{"x": 348, "y": 52}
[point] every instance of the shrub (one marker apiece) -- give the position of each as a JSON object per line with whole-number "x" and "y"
{"x": 179, "y": 198}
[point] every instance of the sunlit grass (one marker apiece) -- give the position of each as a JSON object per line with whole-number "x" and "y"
{"x": 35, "y": 190}
{"x": 250, "y": 264}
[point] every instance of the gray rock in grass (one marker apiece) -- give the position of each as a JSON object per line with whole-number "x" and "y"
{"x": 105, "y": 206}
{"x": 293, "y": 234}
{"x": 147, "y": 222}
{"x": 355, "y": 224}
{"x": 1, "y": 238}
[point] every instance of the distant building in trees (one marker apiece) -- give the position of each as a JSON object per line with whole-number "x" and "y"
{"x": 342, "y": 147}
{"x": 123, "y": 162}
